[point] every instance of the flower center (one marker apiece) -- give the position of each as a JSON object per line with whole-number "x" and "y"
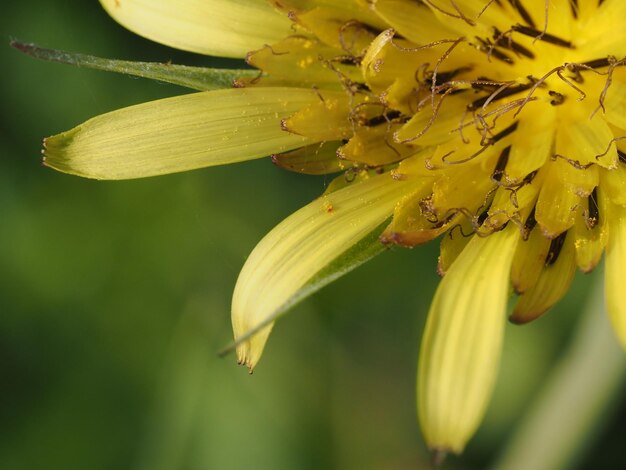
{"x": 509, "y": 111}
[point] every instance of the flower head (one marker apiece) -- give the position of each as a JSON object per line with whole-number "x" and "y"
{"x": 497, "y": 125}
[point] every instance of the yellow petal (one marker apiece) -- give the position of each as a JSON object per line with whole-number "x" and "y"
{"x": 560, "y": 196}
{"x": 601, "y": 39}
{"x": 181, "y": 133}
{"x": 613, "y": 183}
{"x": 227, "y": 28}
{"x": 316, "y": 159}
{"x": 299, "y": 61}
{"x": 615, "y": 104}
{"x": 529, "y": 154}
{"x": 584, "y": 139}
{"x": 323, "y": 120}
{"x": 529, "y": 260}
{"x": 336, "y": 28}
{"x": 460, "y": 351}
{"x": 591, "y": 232}
{"x": 374, "y": 146}
{"x": 277, "y": 272}
{"x": 413, "y": 20}
{"x": 553, "y": 282}
{"x": 452, "y": 245}
{"x": 409, "y": 226}
{"x": 615, "y": 270}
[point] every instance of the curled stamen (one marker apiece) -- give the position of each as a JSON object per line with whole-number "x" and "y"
{"x": 608, "y": 147}
{"x": 575, "y": 163}
{"x": 431, "y": 121}
{"x": 459, "y": 14}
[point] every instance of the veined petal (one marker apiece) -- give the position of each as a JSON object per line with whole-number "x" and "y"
{"x": 227, "y": 28}
{"x": 615, "y": 270}
{"x": 181, "y": 133}
{"x": 282, "y": 268}
{"x": 460, "y": 351}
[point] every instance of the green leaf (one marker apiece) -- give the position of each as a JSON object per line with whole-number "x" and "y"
{"x": 197, "y": 78}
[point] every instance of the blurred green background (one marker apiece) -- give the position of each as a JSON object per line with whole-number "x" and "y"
{"x": 114, "y": 299}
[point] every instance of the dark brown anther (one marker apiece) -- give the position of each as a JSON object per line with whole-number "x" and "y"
{"x": 593, "y": 216}
{"x": 574, "y": 7}
{"x": 529, "y": 225}
{"x": 597, "y": 63}
{"x": 541, "y": 36}
{"x": 487, "y": 47}
{"x": 557, "y": 98}
{"x": 503, "y": 133}
{"x": 505, "y": 93}
{"x": 555, "y": 249}
{"x": 503, "y": 159}
{"x": 505, "y": 41}
{"x": 382, "y": 119}
{"x": 517, "y": 4}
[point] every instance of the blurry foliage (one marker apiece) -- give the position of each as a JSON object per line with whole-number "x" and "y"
{"x": 115, "y": 298}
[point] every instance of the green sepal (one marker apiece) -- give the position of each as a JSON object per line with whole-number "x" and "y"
{"x": 196, "y": 78}
{"x": 362, "y": 251}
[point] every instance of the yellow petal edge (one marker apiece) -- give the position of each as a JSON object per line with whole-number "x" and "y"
{"x": 460, "y": 350}
{"x": 179, "y": 134}
{"x": 615, "y": 271}
{"x": 225, "y": 28}
{"x": 300, "y": 247}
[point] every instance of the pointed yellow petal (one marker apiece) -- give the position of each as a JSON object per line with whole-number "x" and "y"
{"x": 278, "y": 272}
{"x": 460, "y": 351}
{"x": 227, "y": 28}
{"x": 615, "y": 270}
{"x": 181, "y": 133}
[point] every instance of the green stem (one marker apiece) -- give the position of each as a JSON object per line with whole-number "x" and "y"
{"x": 562, "y": 423}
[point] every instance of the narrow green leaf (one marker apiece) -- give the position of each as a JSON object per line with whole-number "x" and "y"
{"x": 197, "y": 78}
{"x": 352, "y": 258}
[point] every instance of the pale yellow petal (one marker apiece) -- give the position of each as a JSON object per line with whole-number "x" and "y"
{"x": 181, "y": 133}
{"x": 604, "y": 29}
{"x": 462, "y": 341}
{"x": 584, "y": 139}
{"x": 413, "y": 20}
{"x": 227, "y": 28}
{"x": 615, "y": 103}
{"x": 530, "y": 153}
{"x": 322, "y": 120}
{"x": 615, "y": 271}
{"x": 300, "y": 247}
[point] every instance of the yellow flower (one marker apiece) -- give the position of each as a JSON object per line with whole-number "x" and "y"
{"x": 498, "y": 125}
